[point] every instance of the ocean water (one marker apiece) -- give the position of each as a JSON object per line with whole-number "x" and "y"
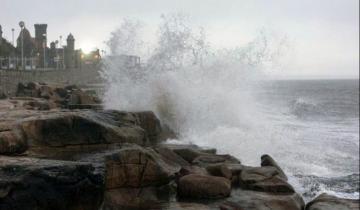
{"x": 223, "y": 99}
{"x": 322, "y": 118}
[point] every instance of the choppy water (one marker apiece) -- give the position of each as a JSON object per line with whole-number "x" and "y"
{"x": 221, "y": 99}
{"x": 322, "y": 118}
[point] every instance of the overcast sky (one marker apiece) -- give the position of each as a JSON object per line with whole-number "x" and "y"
{"x": 324, "y": 34}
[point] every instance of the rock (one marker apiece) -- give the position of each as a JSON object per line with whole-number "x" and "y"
{"x": 329, "y": 202}
{"x": 131, "y": 198}
{"x": 150, "y": 123}
{"x": 211, "y": 159}
{"x": 219, "y": 170}
{"x": 58, "y": 129}
{"x": 134, "y": 166}
{"x": 184, "y": 206}
{"x": 12, "y": 142}
{"x": 206, "y": 187}
{"x": 267, "y": 160}
{"x": 186, "y": 170}
{"x": 169, "y": 155}
{"x": 265, "y": 179}
{"x": 55, "y": 128}
{"x": 252, "y": 200}
{"x": 190, "y": 152}
{"x": 29, "y": 183}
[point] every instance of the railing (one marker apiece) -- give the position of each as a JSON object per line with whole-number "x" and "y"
{"x": 30, "y": 64}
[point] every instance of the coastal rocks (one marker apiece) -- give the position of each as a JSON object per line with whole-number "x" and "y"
{"x": 252, "y": 200}
{"x": 30, "y": 183}
{"x": 59, "y": 94}
{"x": 12, "y": 142}
{"x": 329, "y": 202}
{"x": 58, "y": 129}
{"x": 40, "y": 129}
{"x": 134, "y": 166}
{"x": 201, "y": 186}
{"x": 267, "y": 160}
{"x": 265, "y": 179}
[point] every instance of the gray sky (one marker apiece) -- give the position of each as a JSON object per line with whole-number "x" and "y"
{"x": 324, "y": 34}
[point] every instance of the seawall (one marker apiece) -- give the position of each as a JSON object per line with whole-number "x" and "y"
{"x": 84, "y": 76}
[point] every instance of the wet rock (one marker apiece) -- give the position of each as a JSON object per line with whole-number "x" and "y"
{"x": 131, "y": 198}
{"x": 220, "y": 170}
{"x": 29, "y": 183}
{"x": 12, "y": 142}
{"x": 267, "y": 160}
{"x": 58, "y": 129}
{"x": 329, "y": 202}
{"x": 150, "y": 123}
{"x": 264, "y": 179}
{"x": 190, "y": 152}
{"x": 211, "y": 159}
{"x": 186, "y": 170}
{"x": 134, "y": 166}
{"x": 206, "y": 187}
{"x": 252, "y": 200}
{"x": 185, "y": 206}
{"x": 169, "y": 155}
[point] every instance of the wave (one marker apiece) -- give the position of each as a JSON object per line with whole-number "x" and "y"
{"x": 305, "y": 108}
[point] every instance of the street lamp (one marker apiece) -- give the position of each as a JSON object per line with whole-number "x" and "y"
{"x": 22, "y": 26}
{"x": 44, "y": 45}
{"x": 12, "y": 32}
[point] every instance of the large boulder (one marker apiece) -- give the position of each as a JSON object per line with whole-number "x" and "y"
{"x": 131, "y": 198}
{"x": 252, "y": 200}
{"x": 264, "y": 179}
{"x": 329, "y": 202}
{"x": 212, "y": 159}
{"x": 134, "y": 166}
{"x": 30, "y": 183}
{"x": 202, "y": 186}
{"x": 267, "y": 160}
{"x": 54, "y": 129}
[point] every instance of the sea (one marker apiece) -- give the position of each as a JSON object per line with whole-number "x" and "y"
{"x": 321, "y": 118}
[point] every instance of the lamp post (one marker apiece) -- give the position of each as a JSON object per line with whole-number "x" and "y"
{"x": 12, "y": 33}
{"x": 44, "y": 45}
{"x": 22, "y": 26}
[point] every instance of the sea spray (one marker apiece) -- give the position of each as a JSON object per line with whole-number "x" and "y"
{"x": 210, "y": 97}
{"x": 203, "y": 94}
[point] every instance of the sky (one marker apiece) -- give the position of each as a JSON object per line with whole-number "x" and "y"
{"x": 323, "y": 34}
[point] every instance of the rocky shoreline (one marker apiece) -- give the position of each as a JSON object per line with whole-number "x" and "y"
{"x": 60, "y": 150}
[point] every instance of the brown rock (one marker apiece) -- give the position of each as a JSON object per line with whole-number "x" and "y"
{"x": 210, "y": 159}
{"x": 200, "y": 186}
{"x": 134, "y": 166}
{"x": 252, "y": 200}
{"x": 220, "y": 170}
{"x": 29, "y": 183}
{"x": 329, "y": 202}
{"x": 12, "y": 142}
{"x": 186, "y": 170}
{"x": 267, "y": 160}
{"x": 264, "y": 179}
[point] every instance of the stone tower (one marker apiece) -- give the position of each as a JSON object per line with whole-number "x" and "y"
{"x": 40, "y": 35}
{"x": 70, "y": 52}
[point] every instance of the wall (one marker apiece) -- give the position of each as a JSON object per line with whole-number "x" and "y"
{"x": 10, "y": 78}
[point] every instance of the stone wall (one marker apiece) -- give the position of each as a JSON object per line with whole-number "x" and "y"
{"x": 84, "y": 76}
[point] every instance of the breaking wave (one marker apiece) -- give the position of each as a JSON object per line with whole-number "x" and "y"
{"x": 208, "y": 96}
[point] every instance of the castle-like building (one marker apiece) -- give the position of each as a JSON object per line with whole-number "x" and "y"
{"x": 33, "y": 52}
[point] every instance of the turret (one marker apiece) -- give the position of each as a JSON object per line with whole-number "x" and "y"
{"x": 70, "y": 42}
{"x": 40, "y": 35}
{"x": 70, "y": 52}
